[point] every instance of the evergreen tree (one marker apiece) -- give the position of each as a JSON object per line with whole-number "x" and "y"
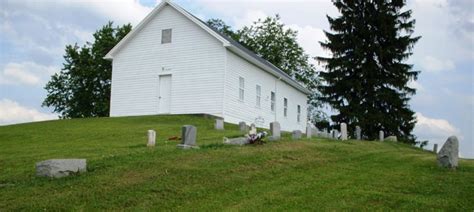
{"x": 366, "y": 76}
{"x": 82, "y": 87}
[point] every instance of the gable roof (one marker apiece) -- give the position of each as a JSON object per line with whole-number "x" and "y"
{"x": 227, "y": 42}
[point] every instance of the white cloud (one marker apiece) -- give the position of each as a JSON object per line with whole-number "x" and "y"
{"x": 12, "y": 112}
{"x": 26, "y": 73}
{"x": 432, "y": 64}
{"x": 436, "y": 131}
{"x": 248, "y": 19}
{"x": 416, "y": 85}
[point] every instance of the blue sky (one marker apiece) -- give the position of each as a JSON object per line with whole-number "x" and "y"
{"x": 33, "y": 35}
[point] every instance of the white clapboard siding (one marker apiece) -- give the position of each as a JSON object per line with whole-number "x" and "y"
{"x": 195, "y": 60}
{"x": 236, "y": 110}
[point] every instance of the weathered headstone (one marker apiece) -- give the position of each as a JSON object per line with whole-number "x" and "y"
{"x": 219, "y": 125}
{"x": 253, "y": 129}
{"x": 243, "y": 126}
{"x": 296, "y": 134}
{"x": 151, "y": 138}
{"x": 343, "y": 131}
{"x": 275, "y": 131}
{"x": 435, "y": 148}
{"x": 188, "y": 137}
{"x": 381, "y": 136}
{"x": 358, "y": 133}
{"x": 448, "y": 156}
{"x": 236, "y": 141}
{"x": 57, "y": 168}
{"x": 309, "y": 131}
{"x": 391, "y": 138}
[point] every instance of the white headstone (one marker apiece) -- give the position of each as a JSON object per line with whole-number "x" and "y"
{"x": 435, "y": 148}
{"x": 151, "y": 138}
{"x": 253, "y": 130}
{"x": 309, "y": 131}
{"x": 343, "y": 131}
{"x": 358, "y": 133}
{"x": 275, "y": 130}
{"x": 381, "y": 136}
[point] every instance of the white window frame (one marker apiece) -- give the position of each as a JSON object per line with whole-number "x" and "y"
{"x": 298, "y": 113}
{"x": 258, "y": 93}
{"x": 241, "y": 89}
{"x": 272, "y": 101}
{"x": 285, "y": 107}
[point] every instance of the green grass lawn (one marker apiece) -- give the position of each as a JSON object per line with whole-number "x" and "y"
{"x": 124, "y": 174}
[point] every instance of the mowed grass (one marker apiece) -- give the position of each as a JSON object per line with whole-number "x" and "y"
{"x": 123, "y": 174}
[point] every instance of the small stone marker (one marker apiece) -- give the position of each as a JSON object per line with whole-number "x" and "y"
{"x": 236, "y": 141}
{"x": 253, "y": 129}
{"x": 448, "y": 156}
{"x": 435, "y": 148}
{"x": 219, "y": 124}
{"x": 275, "y": 131}
{"x": 343, "y": 131}
{"x": 57, "y": 168}
{"x": 381, "y": 136}
{"x": 151, "y": 138}
{"x": 296, "y": 134}
{"x": 391, "y": 138}
{"x": 243, "y": 127}
{"x": 309, "y": 131}
{"x": 188, "y": 137}
{"x": 358, "y": 133}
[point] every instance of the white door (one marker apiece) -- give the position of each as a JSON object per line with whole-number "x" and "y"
{"x": 165, "y": 94}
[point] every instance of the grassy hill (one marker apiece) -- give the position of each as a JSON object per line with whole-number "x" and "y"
{"x": 286, "y": 175}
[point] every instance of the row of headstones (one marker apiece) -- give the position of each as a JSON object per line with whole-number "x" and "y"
{"x": 56, "y": 168}
{"x": 343, "y": 134}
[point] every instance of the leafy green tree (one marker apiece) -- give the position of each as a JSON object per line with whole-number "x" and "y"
{"x": 366, "y": 78}
{"x": 82, "y": 87}
{"x": 223, "y": 28}
{"x": 269, "y": 39}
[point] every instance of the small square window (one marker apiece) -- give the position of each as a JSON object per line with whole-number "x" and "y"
{"x": 165, "y": 36}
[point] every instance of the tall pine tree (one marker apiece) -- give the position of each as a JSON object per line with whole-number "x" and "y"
{"x": 366, "y": 77}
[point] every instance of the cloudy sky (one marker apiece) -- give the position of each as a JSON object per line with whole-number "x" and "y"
{"x": 33, "y": 34}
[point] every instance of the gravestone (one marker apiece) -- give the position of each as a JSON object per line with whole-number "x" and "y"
{"x": 275, "y": 131}
{"x": 391, "y": 138}
{"x": 448, "y": 156}
{"x": 381, "y": 136}
{"x": 219, "y": 125}
{"x": 236, "y": 141}
{"x": 296, "y": 134}
{"x": 188, "y": 137}
{"x": 358, "y": 133}
{"x": 343, "y": 131}
{"x": 151, "y": 138}
{"x": 435, "y": 148}
{"x": 253, "y": 129}
{"x": 57, "y": 168}
{"x": 309, "y": 131}
{"x": 243, "y": 127}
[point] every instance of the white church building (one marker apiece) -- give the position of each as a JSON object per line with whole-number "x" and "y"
{"x": 174, "y": 63}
